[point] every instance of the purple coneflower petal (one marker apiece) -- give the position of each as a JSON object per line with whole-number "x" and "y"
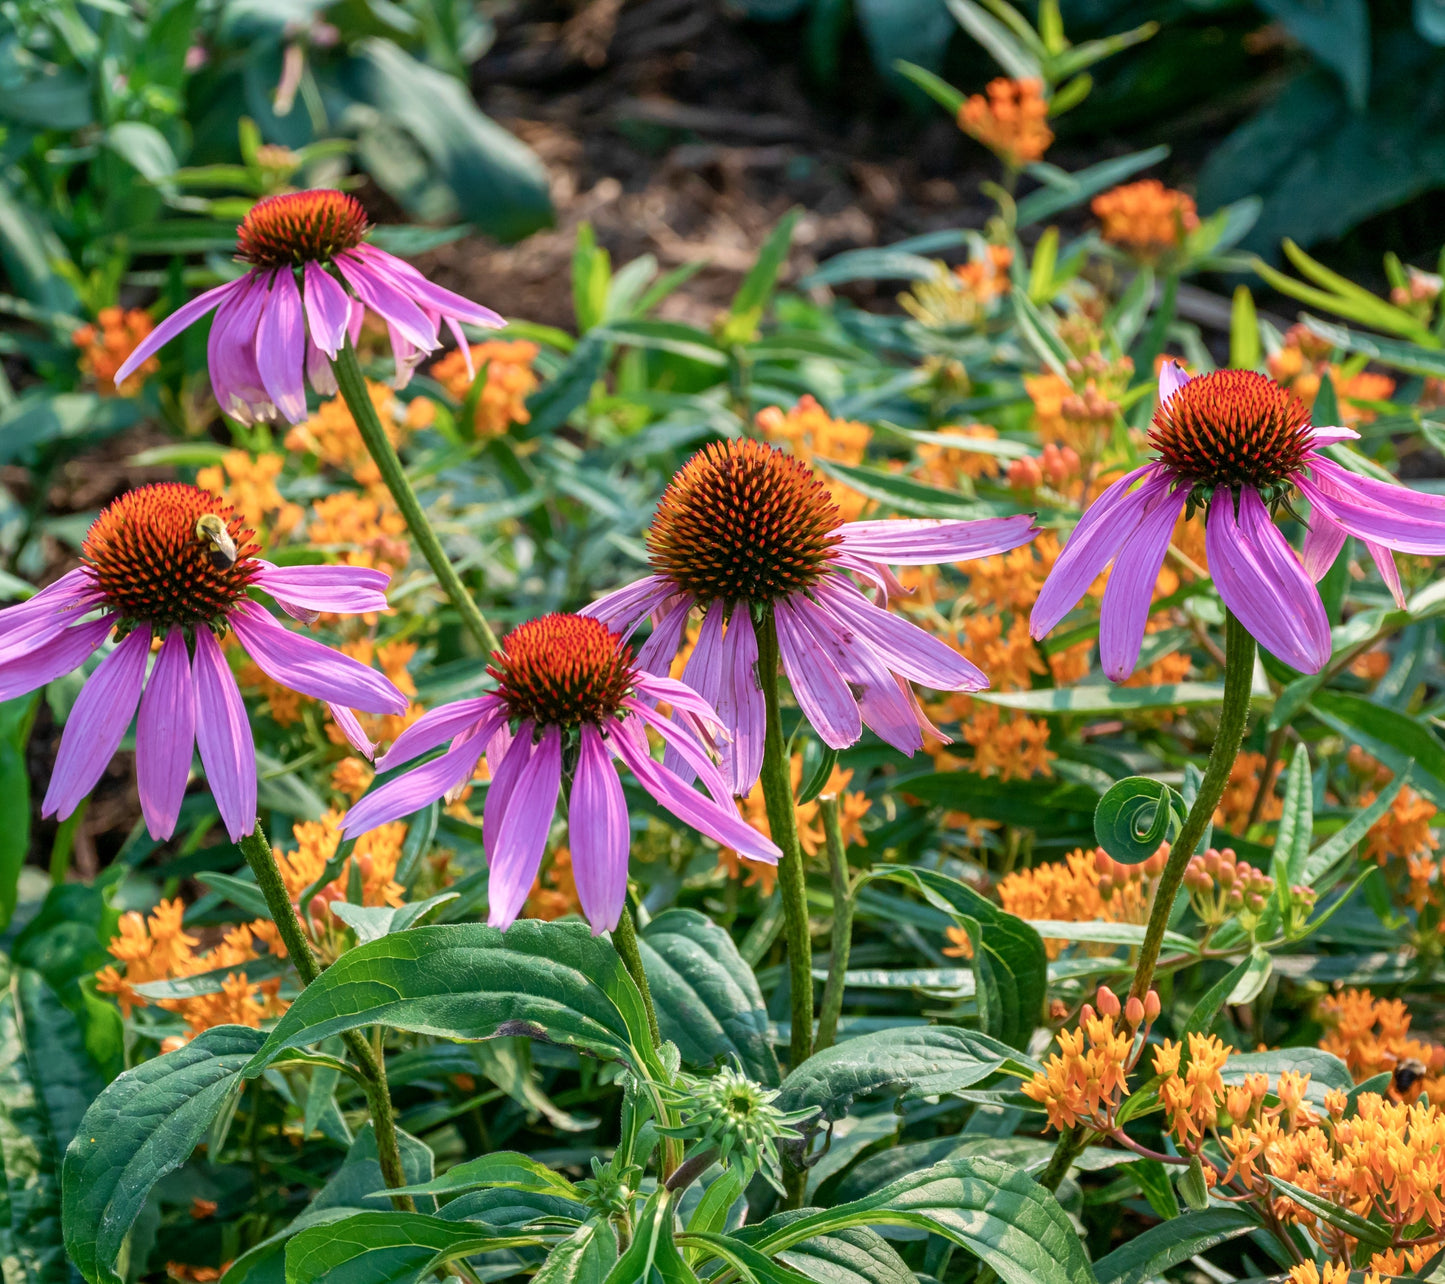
{"x": 1394, "y": 516}
{"x": 479, "y": 716}
{"x": 70, "y": 596}
{"x": 350, "y": 727}
{"x": 685, "y": 700}
{"x": 281, "y": 347}
{"x": 1319, "y": 436}
{"x": 658, "y": 652}
{"x": 172, "y": 326}
{"x": 58, "y": 655}
{"x": 522, "y": 836}
{"x": 632, "y": 602}
{"x": 387, "y": 301}
{"x": 428, "y": 292}
{"x": 223, "y": 736}
{"x": 231, "y": 357}
{"x": 721, "y": 824}
{"x": 1384, "y": 561}
{"x": 1130, "y": 590}
{"x": 406, "y": 357}
{"x": 414, "y": 790}
{"x": 905, "y": 648}
{"x": 341, "y": 590}
{"x": 703, "y": 673}
{"x": 1262, "y": 582}
{"x": 328, "y": 309}
{"x": 689, "y": 748}
{"x": 881, "y": 705}
{"x": 97, "y": 723}
{"x": 305, "y": 665}
{"x": 740, "y": 705}
{"x": 820, "y": 690}
{"x": 506, "y": 770}
{"x": 1171, "y": 378}
{"x": 319, "y": 373}
{"x": 598, "y": 832}
{"x": 1101, "y": 533}
{"x": 922, "y": 542}
{"x": 165, "y": 736}
{"x": 1323, "y": 540}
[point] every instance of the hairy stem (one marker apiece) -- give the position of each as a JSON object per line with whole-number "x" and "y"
{"x": 353, "y": 389}
{"x": 842, "y": 941}
{"x": 258, "y": 854}
{"x": 777, "y": 780}
{"x": 624, "y": 940}
{"x": 1233, "y": 714}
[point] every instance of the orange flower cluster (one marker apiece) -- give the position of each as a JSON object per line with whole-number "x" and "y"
{"x": 249, "y": 482}
{"x": 554, "y": 890}
{"x": 351, "y": 777}
{"x": 1087, "y": 1079}
{"x": 1014, "y": 748}
{"x": 332, "y": 436}
{"x": 1059, "y": 467}
{"x": 852, "y": 807}
{"x": 374, "y": 857}
{"x": 810, "y": 433}
{"x": 1302, "y": 363}
{"x": 360, "y": 530}
{"x": 960, "y": 296}
{"x": 1372, "y": 1036}
{"x": 942, "y": 466}
{"x": 1244, "y": 777}
{"x": 1404, "y": 831}
{"x": 506, "y": 368}
{"x": 105, "y": 345}
{"x": 157, "y": 948}
{"x": 1192, "y": 1096}
{"x": 1011, "y": 120}
{"x": 1146, "y": 216}
{"x": 1080, "y": 411}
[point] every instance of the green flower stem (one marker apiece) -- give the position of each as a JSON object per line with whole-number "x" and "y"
{"x": 624, "y": 940}
{"x": 353, "y": 389}
{"x": 258, "y": 854}
{"x": 1233, "y": 714}
{"x": 777, "y": 779}
{"x": 842, "y": 942}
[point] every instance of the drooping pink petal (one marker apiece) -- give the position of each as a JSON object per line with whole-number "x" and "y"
{"x": 703, "y": 673}
{"x": 183, "y": 316}
{"x": 880, "y": 703}
{"x": 820, "y": 690}
{"x": 922, "y": 541}
{"x": 688, "y": 747}
{"x": 1384, "y": 561}
{"x": 598, "y": 832}
{"x": 387, "y": 301}
{"x": 97, "y": 724}
{"x": 740, "y": 704}
{"x": 69, "y": 597}
{"x": 684, "y": 700}
{"x": 721, "y": 824}
{"x": 328, "y": 309}
{"x": 1319, "y": 436}
{"x": 281, "y": 347}
{"x": 1323, "y": 540}
{"x": 1171, "y": 378}
{"x": 165, "y": 736}
{"x": 1101, "y": 532}
{"x": 905, "y": 648}
{"x": 463, "y": 346}
{"x": 350, "y": 726}
{"x": 306, "y": 665}
{"x": 522, "y": 835}
{"x": 506, "y": 770}
{"x": 1130, "y": 590}
{"x": 1262, "y": 582}
{"x": 441, "y": 724}
{"x": 415, "y": 789}
{"x": 427, "y": 292}
{"x": 406, "y": 357}
{"x": 319, "y": 373}
{"x": 223, "y": 736}
{"x": 56, "y": 656}
{"x": 231, "y": 356}
{"x": 1394, "y": 516}
{"x": 632, "y": 602}
{"x": 1393, "y": 497}
{"x": 341, "y": 590}
{"x": 657, "y": 653}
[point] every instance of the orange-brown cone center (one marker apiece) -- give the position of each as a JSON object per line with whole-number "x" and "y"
{"x": 562, "y": 670}
{"x": 301, "y": 227}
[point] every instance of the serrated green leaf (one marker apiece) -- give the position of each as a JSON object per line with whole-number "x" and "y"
{"x": 386, "y": 1248}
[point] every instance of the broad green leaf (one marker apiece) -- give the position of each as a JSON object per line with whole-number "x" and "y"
{"x": 554, "y": 981}
{"x": 386, "y": 1248}
{"x": 1326, "y": 1071}
{"x": 1041, "y": 805}
{"x": 1017, "y": 61}
{"x": 1009, "y": 965}
{"x": 241, "y": 892}
{"x": 371, "y": 922}
{"x": 1150, "y": 1253}
{"x": 1393, "y": 737}
{"x": 212, "y": 982}
{"x": 665, "y": 336}
{"x": 1244, "y": 352}
{"x": 999, "y": 1214}
{"x": 1201, "y": 1018}
{"x": 750, "y": 1264}
{"x": 857, "y": 1255}
{"x": 1337, "y": 32}
{"x": 508, "y": 1064}
{"x": 584, "y": 1257}
{"x": 1367, "y": 1232}
{"x": 707, "y": 999}
{"x": 505, "y": 1168}
{"x": 652, "y": 1257}
{"x": 922, "y": 1061}
{"x": 1108, "y": 933}
{"x": 1095, "y": 699}
{"x": 1409, "y": 357}
{"x": 140, "y": 1128}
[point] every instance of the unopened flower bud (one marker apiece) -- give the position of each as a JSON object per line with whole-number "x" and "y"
{"x": 1108, "y": 1001}
{"x": 1151, "y": 1006}
{"x": 1134, "y": 1011}
{"x": 1025, "y": 474}
{"x": 1087, "y": 1014}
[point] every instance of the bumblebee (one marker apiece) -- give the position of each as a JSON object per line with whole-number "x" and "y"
{"x": 1408, "y": 1072}
{"x": 220, "y": 547}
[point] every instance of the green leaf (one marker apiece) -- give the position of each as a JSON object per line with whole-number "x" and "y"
{"x": 746, "y": 310}
{"x": 591, "y": 276}
{"x": 919, "y": 1061}
{"x": 584, "y": 1257}
{"x": 1041, "y": 805}
{"x": 554, "y": 981}
{"x": 1244, "y": 351}
{"x": 1409, "y": 357}
{"x": 857, "y": 1255}
{"x": 140, "y": 1128}
{"x": 664, "y": 336}
{"x": 1009, "y": 965}
{"x": 1084, "y": 184}
{"x": 1038, "y": 331}
{"x": 1131, "y": 934}
{"x": 944, "y": 94}
{"x": 372, "y": 922}
{"x": 903, "y": 494}
{"x": 1135, "y": 817}
{"x": 1296, "y": 826}
{"x": 707, "y": 999}
{"x": 999, "y": 1214}
{"x": 1360, "y": 1228}
{"x": 144, "y": 148}
{"x": 1338, "y": 845}
{"x": 822, "y": 771}
{"x": 1337, "y": 32}
{"x": 386, "y": 1248}
{"x": 1394, "y": 738}
{"x": 1150, "y": 1253}
{"x": 1192, "y": 1188}
{"x": 505, "y": 1168}
{"x": 213, "y": 982}
{"x": 16, "y": 718}
{"x": 1201, "y": 1019}
{"x": 1091, "y": 699}
{"x": 1017, "y": 61}
{"x": 652, "y": 1257}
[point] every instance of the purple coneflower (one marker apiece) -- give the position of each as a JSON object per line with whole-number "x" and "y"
{"x": 569, "y": 699}
{"x": 1235, "y": 444}
{"x": 171, "y": 564}
{"x": 311, "y": 280}
{"x": 743, "y": 531}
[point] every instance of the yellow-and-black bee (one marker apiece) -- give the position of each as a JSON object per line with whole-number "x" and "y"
{"x": 220, "y": 547}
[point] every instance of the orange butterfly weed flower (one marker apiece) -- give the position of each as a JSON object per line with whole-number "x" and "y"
{"x": 1146, "y": 216}
{"x": 506, "y": 368}
{"x": 1011, "y": 119}
{"x": 105, "y": 345}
